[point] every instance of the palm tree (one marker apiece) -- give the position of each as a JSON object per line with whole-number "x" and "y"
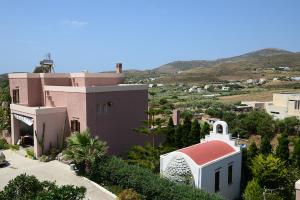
{"x": 84, "y": 149}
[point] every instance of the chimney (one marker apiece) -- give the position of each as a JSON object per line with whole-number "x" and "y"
{"x": 119, "y": 68}
{"x": 176, "y": 117}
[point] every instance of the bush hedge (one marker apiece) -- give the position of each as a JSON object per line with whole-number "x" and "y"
{"x": 115, "y": 171}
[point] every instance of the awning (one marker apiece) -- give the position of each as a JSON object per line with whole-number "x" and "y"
{"x": 26, "y": 120}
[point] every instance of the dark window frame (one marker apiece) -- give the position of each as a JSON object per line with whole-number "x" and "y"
{"x": 230, "y": 174}
{"x": 217, "y": 181}
{"x": 75, "y": 125}
{"x": 16, "y": 96}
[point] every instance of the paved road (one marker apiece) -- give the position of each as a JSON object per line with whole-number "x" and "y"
{"x": 52, "y": 171}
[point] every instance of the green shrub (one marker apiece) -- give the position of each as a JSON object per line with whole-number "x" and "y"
{"x": 30, "y": 153}
{"x": 3, "y": 144}
{"x": 115, "y": 171}
{"x": 44, "y": 158}
{"x": 129, "y": 194}
{"x": 14, "y": 147}
{"x": 25, "y": 187}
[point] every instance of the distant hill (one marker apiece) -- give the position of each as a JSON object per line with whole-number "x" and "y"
{"x": 249, "y": 65}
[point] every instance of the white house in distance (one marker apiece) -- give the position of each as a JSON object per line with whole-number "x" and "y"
{"x": 284, "y": 104}
{"x": 213, "y": 165}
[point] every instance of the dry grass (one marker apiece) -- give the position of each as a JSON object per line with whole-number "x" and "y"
{"x": 253, "y": 96}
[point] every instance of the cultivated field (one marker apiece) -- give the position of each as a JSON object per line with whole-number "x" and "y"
{"x": 254, "y": 96}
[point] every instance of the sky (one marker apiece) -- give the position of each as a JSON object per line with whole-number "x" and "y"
{"x": 93, "y": 35}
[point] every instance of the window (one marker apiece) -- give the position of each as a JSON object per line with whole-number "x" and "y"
{"x": 229, "y": 174}
{"x": 75, "y": 126}
{"x": 104, "y": 108}
{"x": 217, "y": 181}
{"x": 297, "y": 105}
{"x": 16, "y": 96}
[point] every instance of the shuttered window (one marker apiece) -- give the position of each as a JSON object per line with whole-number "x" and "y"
{"x": 75, "y": 126}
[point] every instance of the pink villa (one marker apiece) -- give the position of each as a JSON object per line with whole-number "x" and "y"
{"x": 45, "y": 104}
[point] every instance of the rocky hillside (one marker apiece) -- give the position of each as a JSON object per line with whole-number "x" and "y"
{"x": 250, "y": 65}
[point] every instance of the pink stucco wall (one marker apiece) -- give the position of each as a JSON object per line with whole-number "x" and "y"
{"x": 35, "y": 92}
{"x": 74, "y": 102}
{"x": 22, "y": 85}
{"x": 103, "y": 81}
{"x": 57, "y": 81}
{"x": 53, "y": 125}
{"x": 116, "y": 126}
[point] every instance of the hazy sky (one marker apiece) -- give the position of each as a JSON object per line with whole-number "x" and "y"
{"x": 94, "y": 35}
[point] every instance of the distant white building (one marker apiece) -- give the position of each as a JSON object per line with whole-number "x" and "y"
{"x": 284, "y": 104}
{"x": 250, "y": 81}
{"x": 262, "y": 81}
{"x": 206, "y": 87}
{"x": 225, "y": 88}
{"x": 213, "y": 165}
{"x": 211, "y": 95}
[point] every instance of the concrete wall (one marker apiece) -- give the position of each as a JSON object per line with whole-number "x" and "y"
{"x": 231, "y": 191}
{"x": 116, "y": 126}
{"x": 280, "y": 99}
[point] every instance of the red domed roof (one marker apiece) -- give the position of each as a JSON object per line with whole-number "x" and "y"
{"x": 207, "y": 151}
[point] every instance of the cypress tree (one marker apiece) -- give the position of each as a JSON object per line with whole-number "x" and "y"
{"x": 186, "y": 130}
{"x": 178, "y": 136}
{"x": 205, "y": 130}
{"x": 195, "y": 132}
{"x": 170, "y": 132}
{"x": 282, "y": 151}
{"x": 252, "y": 151}
{"x": 296, "y": 153}
{"x": 265, "y": 146}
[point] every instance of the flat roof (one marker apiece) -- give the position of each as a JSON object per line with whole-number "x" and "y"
{"x": 96, "y": 89}
{"x": 64, "y": 75}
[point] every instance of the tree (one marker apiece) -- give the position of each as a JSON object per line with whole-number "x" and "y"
{"x": 265, "y": 146}
{"x": 288, "y": 125}
{"x": 270, "y": 172}
{"x": 282, "y": 151}
{"x": 186, "y": 131}
{"x": 25, "y": 187}
{"x": 296, "y": 152}
{"x": 152, "y": 126}
{"x": 253, "y": 191}
{"x": 265, "y": 127}
{"x": 178, "y": 136}
{"x": 195, "y": 132}
{"x": 170, "y": 132}
{"x": 4, "y": 94}
{"x": 147, "y": 156}
{"x": 84, "y": 149}
{"x": 205, "y": 130}
{"x": 4, "y": 118}
{"x": 252, "y": 151}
